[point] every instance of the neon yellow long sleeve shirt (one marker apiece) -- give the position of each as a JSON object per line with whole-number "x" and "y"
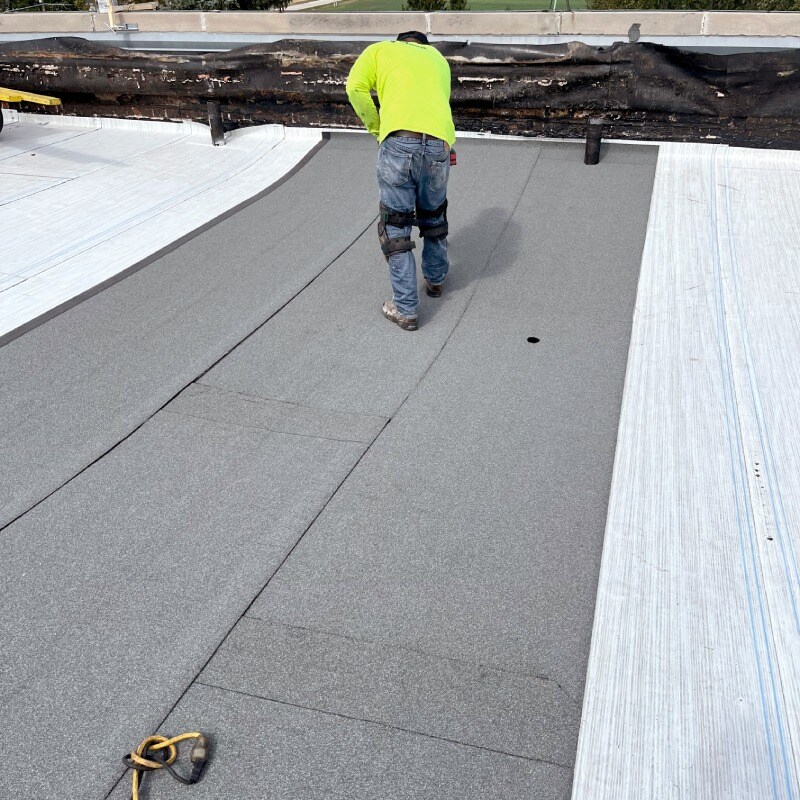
{"x": 413, "y": 85}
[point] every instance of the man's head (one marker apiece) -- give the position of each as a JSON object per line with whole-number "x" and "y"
{"x": 413, "y": 36}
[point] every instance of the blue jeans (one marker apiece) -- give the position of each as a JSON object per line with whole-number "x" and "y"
{"x": 413, "y": 172}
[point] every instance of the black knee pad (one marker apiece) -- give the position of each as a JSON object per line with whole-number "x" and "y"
{"x": 432, "y": 230}
{"x": 400, "y": 219}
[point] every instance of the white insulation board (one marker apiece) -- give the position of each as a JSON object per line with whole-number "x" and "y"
{"x": 82, "y": 199}
{"x": 693, "y": 688}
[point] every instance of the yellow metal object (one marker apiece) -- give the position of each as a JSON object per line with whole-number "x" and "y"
{"x": 16, "y": 96}
{"x": 112, "y": 25}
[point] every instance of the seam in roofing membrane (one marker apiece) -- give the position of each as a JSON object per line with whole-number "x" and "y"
{"x": 183, "y": 387}
{"x": 127, "y": 228}
{"x": 289, "y": 550}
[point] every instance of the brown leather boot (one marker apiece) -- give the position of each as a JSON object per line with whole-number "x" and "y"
{"x": 433, "y": 289}
{"x": 391, "y": 313}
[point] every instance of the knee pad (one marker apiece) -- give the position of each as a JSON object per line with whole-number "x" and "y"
{"x": 432, "y": 230}
{"x": 400, "y": 219}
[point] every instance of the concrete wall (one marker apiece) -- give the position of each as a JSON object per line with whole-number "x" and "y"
{"x": 599, "y": 23}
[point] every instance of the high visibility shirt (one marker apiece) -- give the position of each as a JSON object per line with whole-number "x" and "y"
{"x": 413, "y": 85}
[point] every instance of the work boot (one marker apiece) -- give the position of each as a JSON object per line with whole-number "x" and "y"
{"x": 433, "y": 289}
{"x": 391, "y": 313}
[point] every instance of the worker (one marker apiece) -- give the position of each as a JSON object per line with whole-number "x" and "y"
{"x": 415, "y": 130}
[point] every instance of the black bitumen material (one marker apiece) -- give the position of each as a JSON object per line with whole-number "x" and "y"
{"x": 363, "y": 560}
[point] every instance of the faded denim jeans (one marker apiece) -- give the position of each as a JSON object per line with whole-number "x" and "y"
{"x": 411, "y": 172}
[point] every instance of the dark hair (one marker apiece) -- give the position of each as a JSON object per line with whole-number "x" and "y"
{"x": 415, "y": 35}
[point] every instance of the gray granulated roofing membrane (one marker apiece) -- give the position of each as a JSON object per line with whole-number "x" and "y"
{"x": 425, "y": 510}
{"x": 271, "y": 750}
{"x": 107, "y": 364}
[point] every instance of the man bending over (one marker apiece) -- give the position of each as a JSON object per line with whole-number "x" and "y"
{"x": 415, "y": 131}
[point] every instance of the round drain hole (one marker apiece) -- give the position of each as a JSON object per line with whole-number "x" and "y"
{"x": 533, "y": 339}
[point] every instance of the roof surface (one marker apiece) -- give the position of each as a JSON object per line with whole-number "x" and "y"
{"x": 85, "y": 200}
{"x": 366, "y": 561}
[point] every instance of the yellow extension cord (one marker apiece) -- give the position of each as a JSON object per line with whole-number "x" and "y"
{"x": 156, "y": 742}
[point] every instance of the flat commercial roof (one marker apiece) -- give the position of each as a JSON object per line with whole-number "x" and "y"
{"x": 543, "y": 547}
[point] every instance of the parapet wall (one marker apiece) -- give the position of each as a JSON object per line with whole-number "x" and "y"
{"x": 533, "y": 23}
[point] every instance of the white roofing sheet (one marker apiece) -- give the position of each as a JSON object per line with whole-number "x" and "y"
{"x": 85, "y": 199}
{"x": 693, "y": 687}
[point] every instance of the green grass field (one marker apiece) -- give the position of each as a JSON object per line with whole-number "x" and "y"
{"x": 474, "y": 5}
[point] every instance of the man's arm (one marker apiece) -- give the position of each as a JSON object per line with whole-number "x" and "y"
{"x": 361, "y": 80}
